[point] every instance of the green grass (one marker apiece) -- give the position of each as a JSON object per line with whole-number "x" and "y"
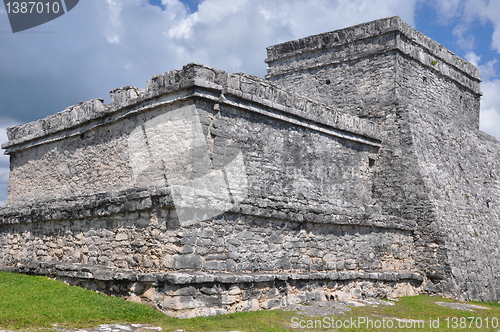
{"x": 424, "y": 308}
{"x": 36, "y": 303}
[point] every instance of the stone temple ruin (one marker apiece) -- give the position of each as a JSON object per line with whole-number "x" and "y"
{"x": 356, "y": 169}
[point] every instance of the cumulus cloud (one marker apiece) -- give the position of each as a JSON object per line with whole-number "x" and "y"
{"x": 487, "y": 70}
{"x": 464, "y": 38}
{"x": 448, "y": 9}
{"x": 101, "y": 45}
{"x": 490, "y": 108}
{"x": 486, "y": 12}
{"x": 473, "y": 58}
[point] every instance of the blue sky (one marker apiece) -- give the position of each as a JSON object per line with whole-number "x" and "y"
{"x": 104, "y": 44}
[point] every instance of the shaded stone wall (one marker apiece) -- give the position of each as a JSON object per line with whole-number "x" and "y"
{"x": 362, "y": 86}
{"x": 461, "y": 171}
{"x": 434, "y": 167}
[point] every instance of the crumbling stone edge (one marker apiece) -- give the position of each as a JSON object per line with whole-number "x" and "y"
{"x": 187, "y": 293}
{"x": 139, "y": 199}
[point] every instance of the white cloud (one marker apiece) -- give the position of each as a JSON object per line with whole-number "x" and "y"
{"x": 473, "y": 58}
{"x": 487, "y": 70}
{"x": 114, "y": 22}
{"x": 101, "y": 45}
{"x": 486, "y": 12}
{"x": 448, "y": 9}
{"x": 490, "y": 108}
{"x": 464, "y": 38}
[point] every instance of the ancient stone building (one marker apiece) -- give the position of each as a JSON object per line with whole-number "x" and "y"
{"x": 355, "y": 169}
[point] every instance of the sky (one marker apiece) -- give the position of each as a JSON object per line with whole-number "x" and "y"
{"x": 104, "y": 44}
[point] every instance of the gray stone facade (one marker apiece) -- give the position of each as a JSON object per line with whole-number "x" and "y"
{"x": 355, "y": 169}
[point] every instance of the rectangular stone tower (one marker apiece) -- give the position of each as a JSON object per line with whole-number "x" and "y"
{"x": 435, "y": 167}
{"x": 369, "y": 69}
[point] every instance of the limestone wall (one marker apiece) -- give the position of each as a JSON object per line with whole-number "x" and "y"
{"x": 460, "y": 169}
{"x": 294, "y": 175}
{"x": 365, "y": 70}
{"x": 153, "y": 240}
{"x": 435, "y": 167}
{"x": 177, "y": 126}
{"x": 357, "y": 164}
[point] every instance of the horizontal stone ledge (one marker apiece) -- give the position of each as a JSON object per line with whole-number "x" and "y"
{"x": 139, "y": 199}
{"x": 79, "y": 207}
{"x": 95, "y": 110}
{"x": 364, "y": 31}
{"x": 194, "y": 277}
{"x": 317, "y": 118}
{"x": 193, "y": 81}
{"x": 26, "y": 137}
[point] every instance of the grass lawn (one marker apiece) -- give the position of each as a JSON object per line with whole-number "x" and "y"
{"x": 32, "y": 302}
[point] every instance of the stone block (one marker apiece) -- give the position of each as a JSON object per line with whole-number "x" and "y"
{"x": 178, "y": 302}
{"x": 230, "y": 299}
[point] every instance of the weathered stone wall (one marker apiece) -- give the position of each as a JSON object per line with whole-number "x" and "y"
{"x": 204, "y": 171}
{"x": 275, "y": 130}
{"x": 153, "y": 240}
{"x": 365, "y": 70}
{"x": 434, "y": 167}
{"x": 280, "y": 185}
{"x": 360, "y": 167}
{"x": 362, "y": 86}
{"x": 460, "y": 169}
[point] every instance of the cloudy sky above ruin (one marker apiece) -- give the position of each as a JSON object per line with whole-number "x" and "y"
{"x": 104, "y": 44}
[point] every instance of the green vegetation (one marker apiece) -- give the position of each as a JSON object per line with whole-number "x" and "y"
{"x": 419, "y": 312}
{"x": 34, "y": 302}
{"x": 434, "y": 62}
{"x": 37, "y": 303}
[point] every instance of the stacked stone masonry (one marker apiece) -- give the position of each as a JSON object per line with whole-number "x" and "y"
{"x": 355, "y": 169}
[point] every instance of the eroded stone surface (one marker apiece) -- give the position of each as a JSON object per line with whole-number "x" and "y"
{"x": 461, "y": 306}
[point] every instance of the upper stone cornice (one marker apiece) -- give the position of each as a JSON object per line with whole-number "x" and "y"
{"x": 193, "y": 81}
{"x": 401, "y": 37}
